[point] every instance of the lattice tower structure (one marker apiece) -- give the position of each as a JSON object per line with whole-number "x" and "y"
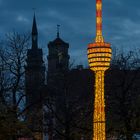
{"x": 99, "y": 57}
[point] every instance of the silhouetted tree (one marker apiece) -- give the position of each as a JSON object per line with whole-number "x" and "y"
{"x": 12, "y": 55}
{"x": 70, "y": 105}
{"x": 123, "y": 95}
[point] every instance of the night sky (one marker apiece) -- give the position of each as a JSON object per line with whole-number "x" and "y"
{"x": 121, "y": 22}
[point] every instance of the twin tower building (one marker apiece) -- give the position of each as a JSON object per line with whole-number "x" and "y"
{"x": 35, "y": 76}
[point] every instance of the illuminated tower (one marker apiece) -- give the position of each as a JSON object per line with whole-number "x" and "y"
{"x": 99, "y": 57}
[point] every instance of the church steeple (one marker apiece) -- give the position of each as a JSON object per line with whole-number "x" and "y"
{"x": 58, "y": 27}
{"x": 34, "y": 34}
{"x": 34, "y": 83}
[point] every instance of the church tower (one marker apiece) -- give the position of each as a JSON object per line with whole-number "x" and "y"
{"x": 34, "y": 81}
{"x": 58, "y": 66}
{"x": 58, "y": 58}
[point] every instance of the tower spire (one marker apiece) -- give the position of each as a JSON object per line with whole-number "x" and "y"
{"x": 58, "y": 33}
{"x": 99, "y": 37}
{"x": 34, "y": 34}
{"x": 34, "y": 26}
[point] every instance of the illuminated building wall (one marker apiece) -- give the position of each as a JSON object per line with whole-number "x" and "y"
{"x": 99, "y": 57}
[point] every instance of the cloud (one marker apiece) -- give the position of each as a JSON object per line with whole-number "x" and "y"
{"x": 22, "y": 19}
{"x": 121, "y": 22}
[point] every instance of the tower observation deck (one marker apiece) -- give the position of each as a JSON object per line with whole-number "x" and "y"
{"x": 99, "y": 57}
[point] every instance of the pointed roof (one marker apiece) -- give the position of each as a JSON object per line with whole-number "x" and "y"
{"x": 34, "y": 27}
{"x": 58, "y": 40}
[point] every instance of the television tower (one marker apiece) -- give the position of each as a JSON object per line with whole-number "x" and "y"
{"x": 99, "y": 57}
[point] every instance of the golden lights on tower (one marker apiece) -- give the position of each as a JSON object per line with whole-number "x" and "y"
{"x": 99, "y": 57}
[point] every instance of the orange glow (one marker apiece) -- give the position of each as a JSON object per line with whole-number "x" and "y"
{"x": 99, "y": 37}
{"x": 99, "y": 111}
{"x": 98, "y": 44}
{"x": 99, "y": 57}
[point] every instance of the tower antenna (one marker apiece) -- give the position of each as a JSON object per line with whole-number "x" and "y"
{"x": 99, "y": 37}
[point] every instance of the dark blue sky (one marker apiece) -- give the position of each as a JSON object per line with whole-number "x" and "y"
{"x": 121, "y": 22}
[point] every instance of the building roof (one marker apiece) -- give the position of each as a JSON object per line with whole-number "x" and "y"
{"x": 58, "y": 41}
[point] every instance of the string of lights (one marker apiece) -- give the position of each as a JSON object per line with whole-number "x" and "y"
{"x": 99, "y": 57}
